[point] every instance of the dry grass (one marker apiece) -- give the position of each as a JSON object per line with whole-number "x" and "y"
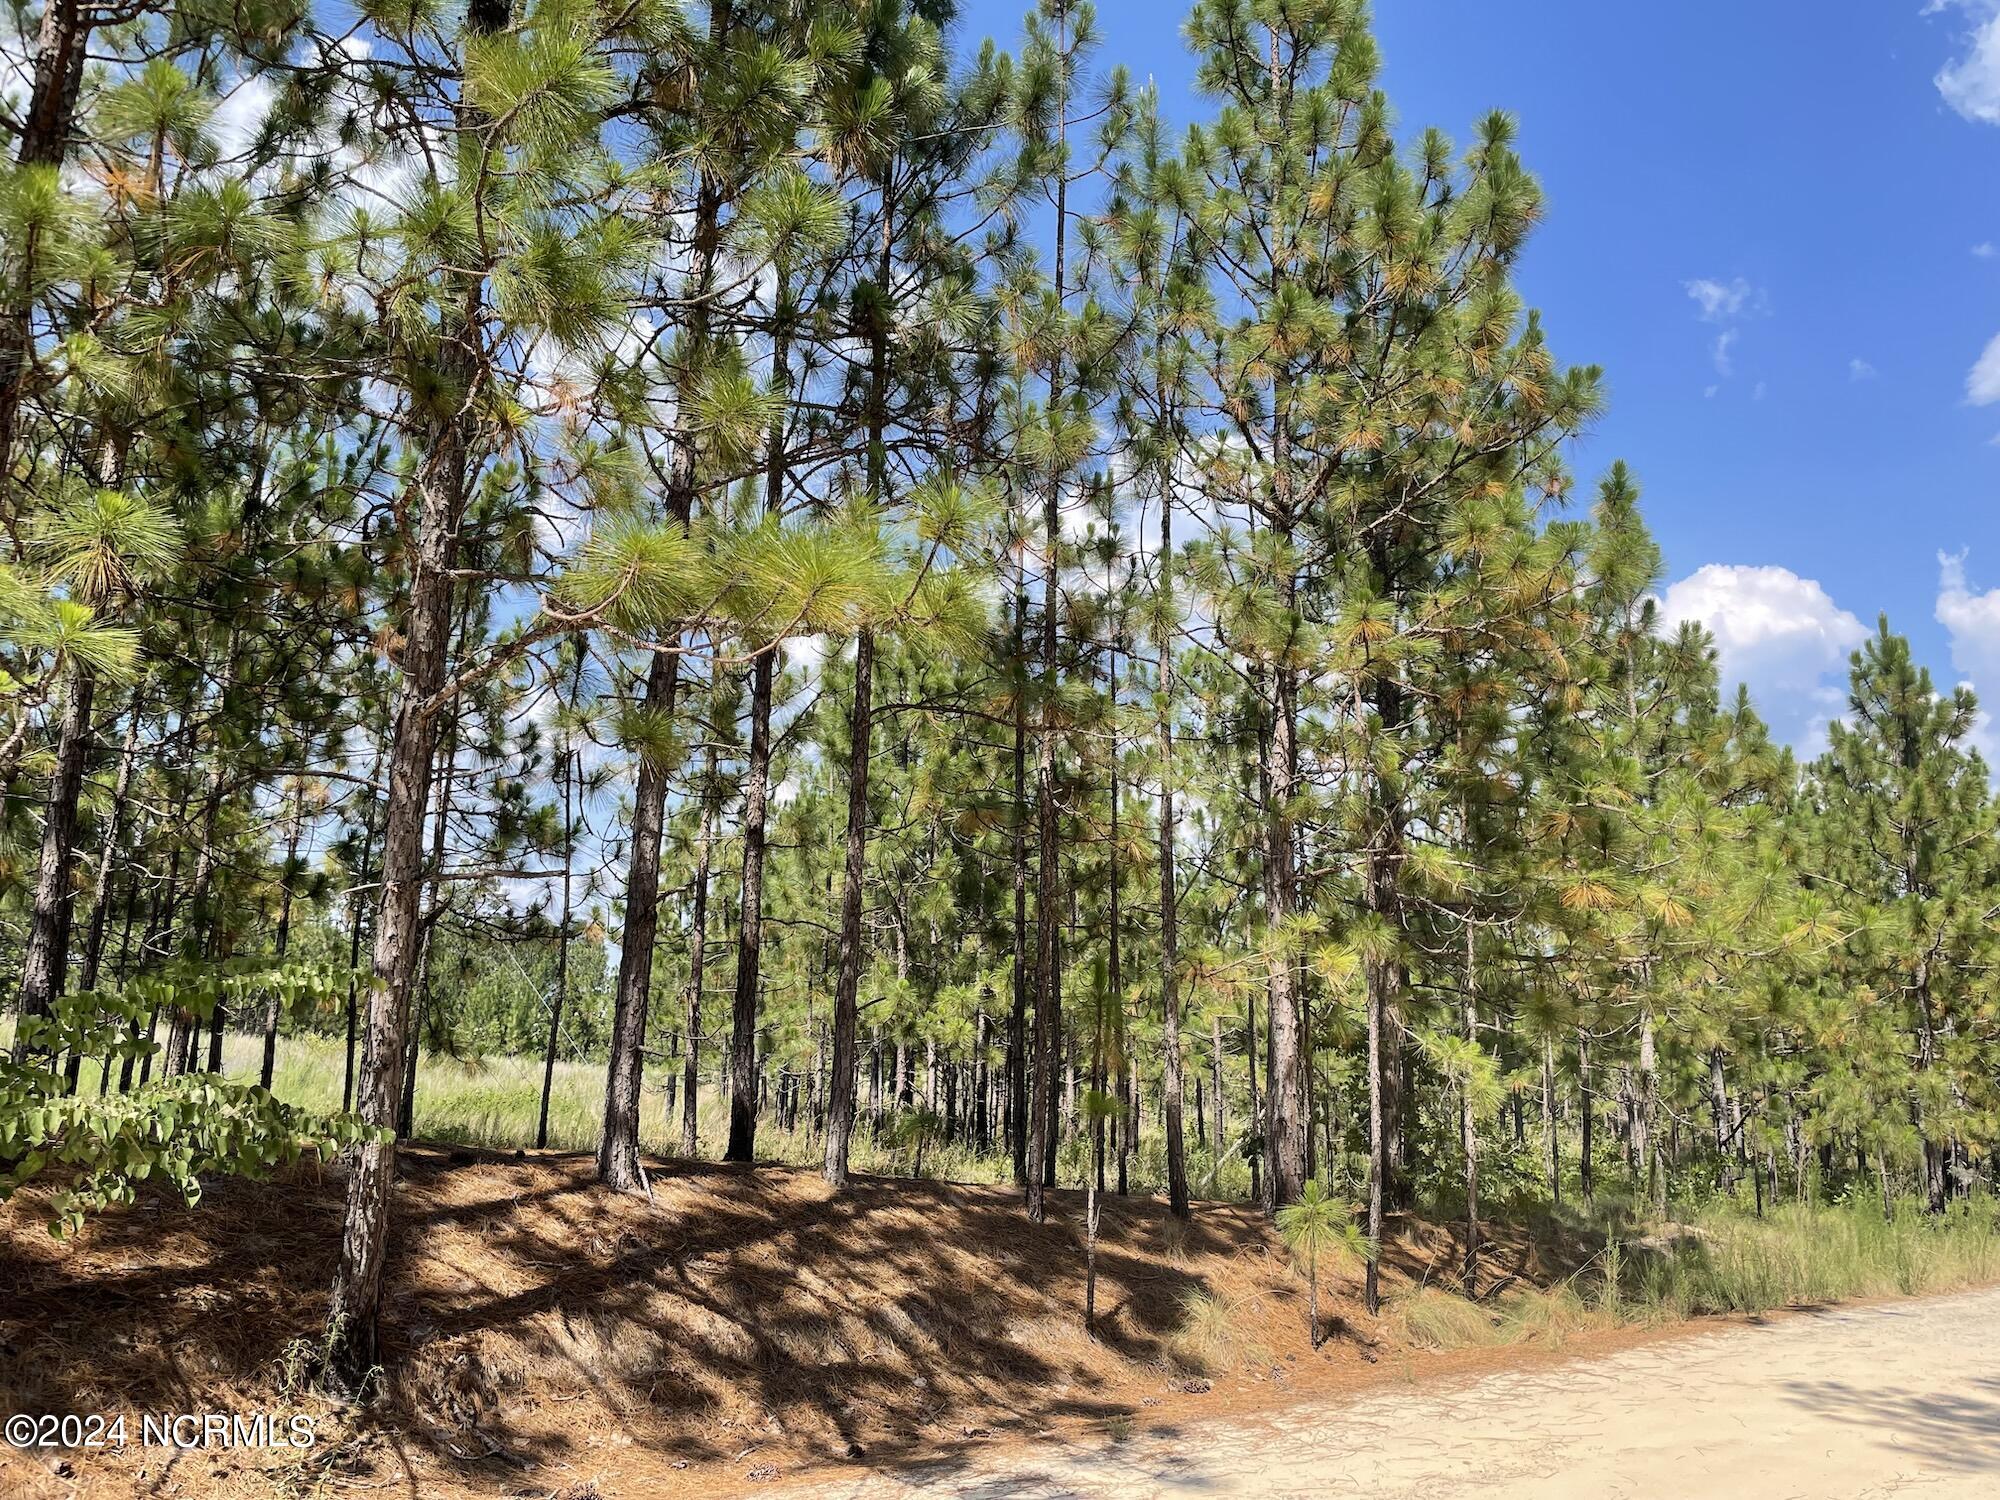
{"x": 1220, "y": 1335}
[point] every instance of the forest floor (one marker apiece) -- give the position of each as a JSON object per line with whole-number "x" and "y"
{"x": 743, "y": 1328}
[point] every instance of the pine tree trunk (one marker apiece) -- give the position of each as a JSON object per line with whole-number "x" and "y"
{"x": 1468, "y": 1124}
{"x": 1551, "y": 1143}
{"x": 433, "y": 909}
{"x": 698, "y": 964}
{"x": 355, "y": 909}
{"x": 100, "y": 914}
{"x": 1378, "y": 1152}
{"x": 273, "y": 1006}
{"x": 1284, "y": 1093}
{"x": 1170, "y": 1002}
{"x": 618, "y": 1145}
{"x": 561, "y": 997}
{"x": 45, "y": 961}
{"x": 1256, "y": 1154}
{"x": 442, "y": 483}
{"x": 353, "y": 1344}
{"x": 847, "y": 975}
{"x": 1587, "y": 1114}
{"x": 1215, "y": 1093}
{"x": 61, "y": 45}
{"x": 1017, "y": 1022}
{"x": 1652, "y": 1173}
{"x": 982, "y": 1136}
{"x": 861, "y": 734}
{"x": 756, "y": 784}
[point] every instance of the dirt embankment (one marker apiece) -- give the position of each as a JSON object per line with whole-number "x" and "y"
{"x": 548, "y": 1338}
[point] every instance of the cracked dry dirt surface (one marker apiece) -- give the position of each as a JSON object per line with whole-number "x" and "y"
{"x": 1900, "y": 1399}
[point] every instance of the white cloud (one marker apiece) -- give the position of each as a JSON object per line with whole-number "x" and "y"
{"x": 1778, "y": 632}
{"x": 1972, "y": 620}
{"x": 1970, "y": 83}
{"x": 1719, "y": 301}
{"x": 1984, "y": 250}
{"x": 1982, "y": 386}
{"x": 1859, "y": 369}
{"x": 1725, "y": 341}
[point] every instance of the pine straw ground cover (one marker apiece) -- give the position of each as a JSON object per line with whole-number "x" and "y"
{"x": 552, "y": 1339}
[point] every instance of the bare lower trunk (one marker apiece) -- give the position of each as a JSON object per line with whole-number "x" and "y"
{"x": 1284, "y": 1093}
{"x": 45, "y": 963}
{"x": 1170, "y": 1002}
{"x": 1377, "y": 1151}
{"x": 750, "y": 923}
{"x": 100, "y": 887}
{"x": 618, "y": 1146}
{"x": 1468, "y": 1124}
{"x": 353, "y": 1343}
{"x": 1652, "y": 1172}
{"x": 847, "y": 974}
{"x": 273, "y": 1007}
{"x": 561, "y": 997}
{"x": 698, "y": 962}
{"x": 1587, "y": 1111}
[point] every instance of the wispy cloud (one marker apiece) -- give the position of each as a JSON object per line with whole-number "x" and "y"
{"x": 1719, "y": 301}
{"x": 1859, "y": 369}
{"x": 1727, "y": 303}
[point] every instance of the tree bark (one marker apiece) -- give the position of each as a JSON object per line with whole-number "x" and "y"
{"x": 618, "y": 1145}
{"x": 61, "y": 46}
{"x": 273, "y": 1002}
{"x": 750, "y": 919}
{"x": 847, "y": 975}
{"x": 443, "y": 479}
{"x": 45, "y": 962}
{"x": 561, "y": 997}
{"x": 1170, "y": 1000}
{"x": 353, "y": 1340}
{"x": 861, "y": 735}
{"x": 698, "y": 963}
{"x": 756, "y": 785}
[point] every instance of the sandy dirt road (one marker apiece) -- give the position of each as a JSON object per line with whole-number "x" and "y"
{"x": 1901, "y": 1399}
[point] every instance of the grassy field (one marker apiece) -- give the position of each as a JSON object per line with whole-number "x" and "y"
{"x": 495, "y": 1102}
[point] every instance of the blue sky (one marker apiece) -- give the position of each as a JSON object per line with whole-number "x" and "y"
{"x": 1773, "y": 223}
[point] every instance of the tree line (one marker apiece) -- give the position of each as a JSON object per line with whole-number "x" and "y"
{"x": 891, "y": 583}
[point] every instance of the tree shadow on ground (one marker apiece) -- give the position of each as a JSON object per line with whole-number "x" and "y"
{"x": 1959, "y": 1432}
{"x": 533, "y": 1321}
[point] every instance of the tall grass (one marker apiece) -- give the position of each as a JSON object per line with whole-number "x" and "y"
{"x": 1724, "y": 1261}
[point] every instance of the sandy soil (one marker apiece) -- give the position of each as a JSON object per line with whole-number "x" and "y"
{"x": 1897, "y": 1399}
